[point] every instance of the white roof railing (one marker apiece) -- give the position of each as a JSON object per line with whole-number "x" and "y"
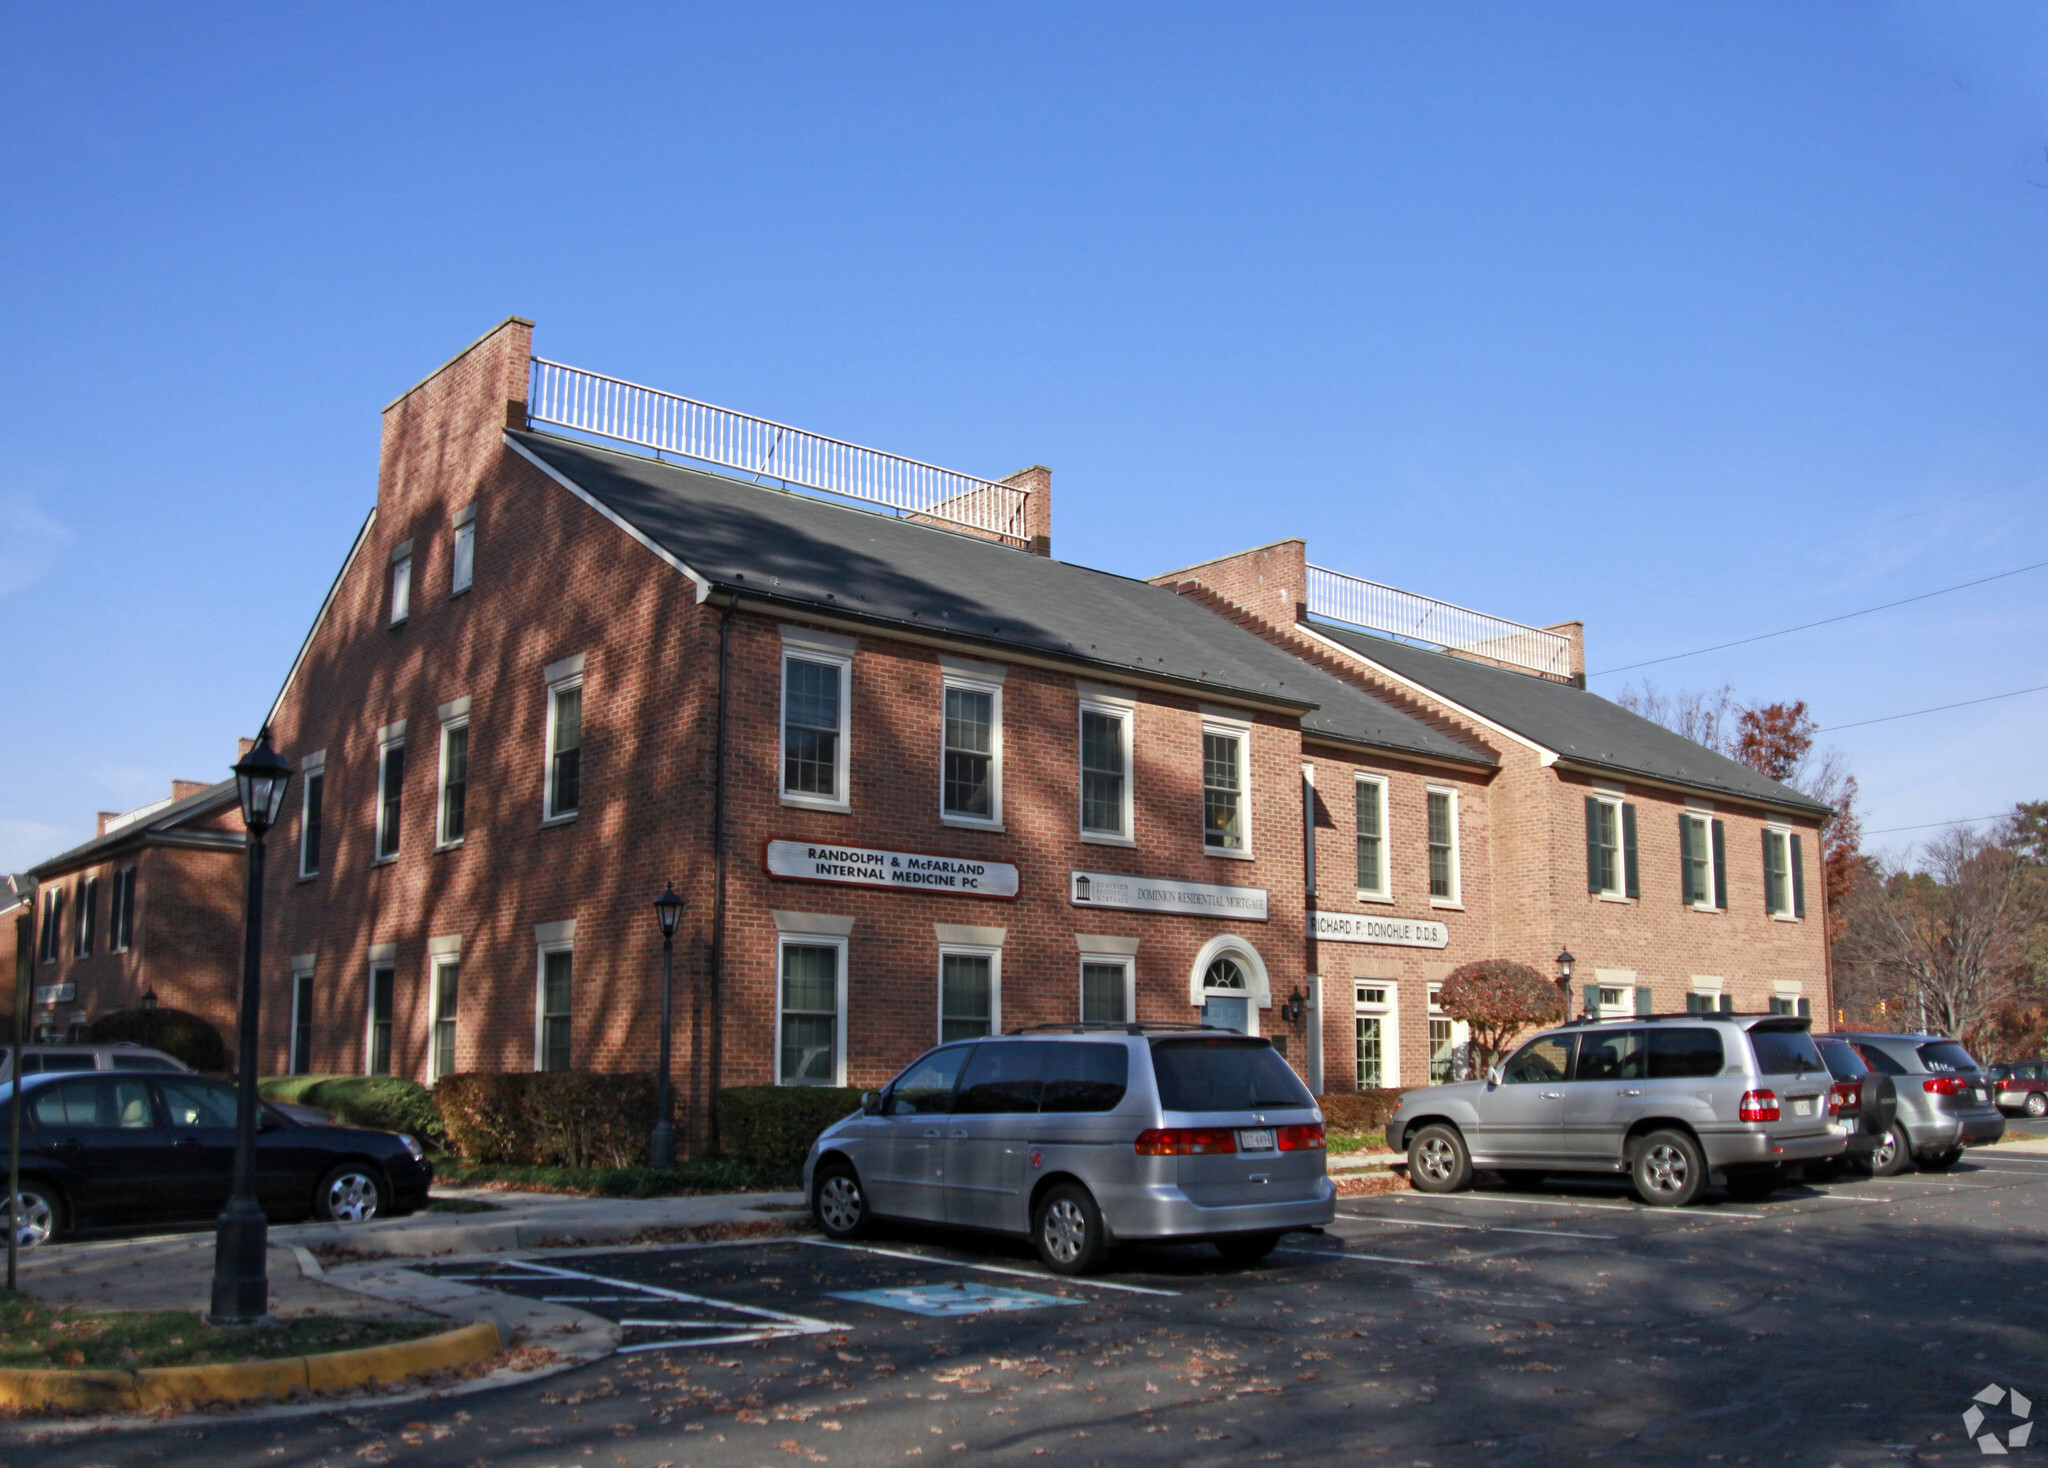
{"x": 588, "y": 402}
{"x": 1443, "y": 624}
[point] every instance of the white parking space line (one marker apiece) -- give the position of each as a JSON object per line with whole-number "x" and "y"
{"x": 1038, "y": 1274}
{"x": 1369, "y": 1258}
{"x": 1688, "y": 1214}
{"x": 775, "y": 1324}
{"x": 1488, "y": 1228}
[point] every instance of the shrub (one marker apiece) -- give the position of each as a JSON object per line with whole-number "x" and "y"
{"x": 1499, "y": 999}
{"x": 559, "y": 1118}
{"x": 1359, "y": 1112}
{"x": 774, "y": 1126}
{"x": 384, "y": 1103}
{"x": 173, "y": 1031}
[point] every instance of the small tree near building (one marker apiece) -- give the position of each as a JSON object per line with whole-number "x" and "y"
{"x": 1498, "y": 999}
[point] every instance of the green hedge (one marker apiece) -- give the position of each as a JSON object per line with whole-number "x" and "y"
{"x": 173, "y": 1031}
{"x": 559, "y": 1118}
{"x": 385, "y": 1103}
{"x": 705, "y": 1175}
{"x": 774, "y": 1126}
{"x": 1361, "y": 1111}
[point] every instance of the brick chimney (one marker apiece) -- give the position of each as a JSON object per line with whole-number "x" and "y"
{"x": 1270, "y": 581}
{"x": 1576, "y": 631}
{"x": 1038, "y": 514}
{"x": 242, "y": 747}
{"x": 182, "y": 788}
{"x": 442, "y": 434}
{"x": 105, "y": 816}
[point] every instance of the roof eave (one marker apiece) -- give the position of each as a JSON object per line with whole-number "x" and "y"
{"x": 1809, "y": 808}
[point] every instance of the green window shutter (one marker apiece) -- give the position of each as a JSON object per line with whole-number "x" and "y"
{"x": 1798, "y": 880}
{"x": 1592, "y": 844}
{"x": 1630, "y": 884}
{"x": 1767, "y": 871}
{"x": 1686, "y": 896}
{"x": 1727, "y": 1004}
{"x": 1643, "y": 1004}
{"x": 1720, "y": 866}
{"x": 1806, "y": 1009}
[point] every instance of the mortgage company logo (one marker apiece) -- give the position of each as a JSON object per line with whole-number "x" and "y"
{"x": 2015, "y": 1404}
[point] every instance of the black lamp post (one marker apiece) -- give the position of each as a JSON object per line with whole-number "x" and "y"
{"x": 1564, "y": 980}
{"x": 661, "y": 1142}
{"x": 149, "y": 1018}
{"x": 241, "y": 1283}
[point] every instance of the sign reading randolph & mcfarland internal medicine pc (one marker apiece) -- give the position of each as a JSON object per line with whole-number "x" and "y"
{"x": 1163, "y": 894}
{"x": 1353, "y": 927}
{"x": 811, "y": 861}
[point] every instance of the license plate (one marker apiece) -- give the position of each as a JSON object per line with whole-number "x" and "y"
{"x": 1258, "y": 1141}
{"x": 1803, "y": 1106}
{"x": 1978, "y": 1097}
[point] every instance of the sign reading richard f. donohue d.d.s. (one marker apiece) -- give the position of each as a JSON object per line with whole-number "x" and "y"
{"x": 1351, "y": 927}
{"x": 810, "y": 861}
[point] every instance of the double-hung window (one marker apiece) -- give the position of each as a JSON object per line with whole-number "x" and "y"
{"x": 564, "y": 796}
{"x": 1611, "y": 846}
{"x": 390, "y": 790}
{"x": 1106, "y": 991}
{"x": 53, "y": 924}
{"x": 1373, "y": 1018}
{"x": 815, "y": 679}
{"x": 401, "y": 582}
{"x": 301, "y": 1059}
{"x": 970, "y": 993}
{"x": 811, "y": 1011}
{"x": 1784, "y": 874}
{"x": 1105, "y": 772}
{"x": 88, "y": 916}
{"x": 1445, "y": 879}
{"x": 462, "y": 568}
{"x": 453, "y": 806}
{"x": 1374, "y": 881}
{"x": 121, "y": 911}
{"x": 1702, "y": 862}
{"x": 447, "y": 979}
{"x": 377, "y": 1049}
{"x": 552, "y": 1012}
{"x": 1225, "y": 824}
{"x": 312, "y": 792}
{"x": 971, "y": 777}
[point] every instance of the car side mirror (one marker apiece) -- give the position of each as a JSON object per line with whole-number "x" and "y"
{"x": 871, "y": 1103}
{"x": 1494, "y": 1074}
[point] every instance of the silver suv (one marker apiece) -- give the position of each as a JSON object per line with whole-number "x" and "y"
{"x": 1945, "y": 1101}
{"x": 1081, "y": 1137}
{"x": 1674, "y": 1101}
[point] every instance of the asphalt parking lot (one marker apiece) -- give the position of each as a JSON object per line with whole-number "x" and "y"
{"x": 1846, "y": 1324}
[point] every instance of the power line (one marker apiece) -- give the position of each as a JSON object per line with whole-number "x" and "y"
{"x": 1823, "y": 622}
{"x": 1938, "y": 708}
{"x": 1929, "y": 825}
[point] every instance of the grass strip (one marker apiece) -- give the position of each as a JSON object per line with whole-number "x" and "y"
{"x": 707, "y": 1175}
{"x": 34, "y": 1334}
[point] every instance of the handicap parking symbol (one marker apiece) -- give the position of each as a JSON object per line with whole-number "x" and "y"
{"x": 953, "y": 1299}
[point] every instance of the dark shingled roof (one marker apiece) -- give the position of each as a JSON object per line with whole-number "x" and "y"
{"x": 874, "y": 567}
{"x": 1581, "y": 726}
{"x": 157, "y": 823}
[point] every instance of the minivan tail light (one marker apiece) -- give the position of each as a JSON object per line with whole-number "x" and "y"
{"x": 1306, "y": 1137}
{"x": 1945, "y": 1085}
{"x": 1179, "y": 1141}
{"x": 1759, "y": 1106}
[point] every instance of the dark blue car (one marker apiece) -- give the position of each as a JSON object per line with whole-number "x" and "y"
{"x": 110, "y": 1150}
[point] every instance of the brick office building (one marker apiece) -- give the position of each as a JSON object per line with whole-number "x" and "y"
{"x": 152, "y": 902}
{"x": 913, "y": 777}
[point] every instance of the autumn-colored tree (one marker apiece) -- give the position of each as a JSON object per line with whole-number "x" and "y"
{"x": 1498, "y": 998}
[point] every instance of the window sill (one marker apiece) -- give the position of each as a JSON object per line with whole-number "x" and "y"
{"x": 304, "y": 877}
{"x": 1784, "y": 917}
{"x": 1385, "y": 897}
{"x": 1708, "y": 908}
{"x": 1446, "y": 904}
{"x": 565, "y": 818}
{"x": 1613, "y": 897}
{"x": 385, "y": 861}
{"x": 1227, "y": 855}
{"x": 455, "y": 845}
{"x": 1100, "y": 838}
{"x": 799, "y": 802}
{"x": 458, "y": 591}
{"x": 970, "y": 823}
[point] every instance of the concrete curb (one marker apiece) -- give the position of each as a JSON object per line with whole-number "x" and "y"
{"x": 151, "y": 1388}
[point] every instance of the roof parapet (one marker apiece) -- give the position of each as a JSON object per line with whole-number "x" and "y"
{"x": 1547, "y": 652}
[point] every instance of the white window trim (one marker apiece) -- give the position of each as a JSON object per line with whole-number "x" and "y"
{"x": 1385, "y": 892}
{"x": 1389, "y": 1012}
{"x": 401, "y": 584}
{"x": 1619, "y": 891}
{"x": 384, "y": 747}
{"x": 1623, "y": 979}
{"x": 547, "y": 775}
{"x": 434, "y": 963}
{"x": 384, "y": 955}
{"x": 995, "y": 986}
{"x": 993, "y": 821}
{"x": 1701, "y": 824}
{"x": 302, "y": 971}
{"x": 1461, "y": 1032}
{"x": 816, "y": 940}
{"x": 842, "y": 800}
{"x": 1783, "y": 836}
{"x": 313, "y": 770}
{"x": 540, "y": 992}
{"x": 1258, "y": 990}
{"x": 1125, "y": 714}
{"x": 1242, "y": 734}
{"x": 1456, "y": 901}
{"x": 1122, "y": 961}
{"x": 465, "y": 524}
{"x": 441, "y": 841}
{"x": 115, "y": 893}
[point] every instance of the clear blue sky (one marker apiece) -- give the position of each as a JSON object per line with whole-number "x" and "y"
{"x": 1691, "y": 322}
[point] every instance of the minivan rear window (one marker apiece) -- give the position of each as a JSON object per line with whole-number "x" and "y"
{"x": 1085, "y": 1077}
{"x": 1783, "y": 1052}
{"x": 1684, "y": 1054}
{"x": 1946, "y": 1057}
{"x": 1224, "y": 1075}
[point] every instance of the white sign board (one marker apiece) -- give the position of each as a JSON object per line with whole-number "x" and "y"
{"x": 812, "y": 861}
{"x": 1163, "y": 894}
{"x": 56, "y": 993}
{"x": 1353, "y": 927}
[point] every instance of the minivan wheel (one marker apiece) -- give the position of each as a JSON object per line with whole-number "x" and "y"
{"x": 1068, "y": 1230}
{"x": 2036, "y": 1103}
{"x": 1247, "y": 1248}
{"x": 38, "y": 1215}
{"x": 1894, "y": 1153}
{"x": 1941, "y": 1161}
{"x": 1438, "y": 1161}
{"x": 350, "y": 1193}
{"x": 1668, "y": 1170}
{"x": 839, "y": 1203}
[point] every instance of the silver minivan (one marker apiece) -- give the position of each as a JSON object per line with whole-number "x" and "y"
{"x": 1945, "y": 1100}
{"x": 121, "y": 1055}
{"x": 1082, "y": 1137}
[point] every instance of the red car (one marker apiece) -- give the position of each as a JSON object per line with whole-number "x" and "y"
{"x": 1861, "y": 1100}
{"x": 2021, "y": 1086}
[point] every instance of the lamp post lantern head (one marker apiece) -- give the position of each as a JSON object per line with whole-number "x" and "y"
{"x": 668, "y": 911}
{"x": 260, "y": 777}
{"x": 149, "y": 1001}
{"x": 1564, "y": 964}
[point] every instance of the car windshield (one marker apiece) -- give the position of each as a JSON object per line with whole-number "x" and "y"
{"x": 1946, "y": 1057}
{"x": 1224, "y": 1075}
{"x": 1783, "y": 1052}
{"x": 1843, "y": 1063}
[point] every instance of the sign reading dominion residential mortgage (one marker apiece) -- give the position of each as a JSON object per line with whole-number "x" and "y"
{"x": 1163, "y": 894}
{"x": 810, "y": 861}
{"x": 1353, "y": 927}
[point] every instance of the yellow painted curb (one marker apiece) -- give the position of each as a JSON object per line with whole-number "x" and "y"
{"x": 243, "y": 1381}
